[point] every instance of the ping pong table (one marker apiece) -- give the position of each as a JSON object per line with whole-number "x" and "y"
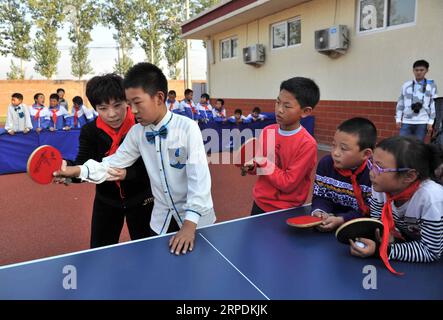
{"x": 252, "y": 258}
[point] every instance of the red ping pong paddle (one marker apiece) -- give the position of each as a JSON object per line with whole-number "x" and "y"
{"x": 304, "y": 221}
{"x": 42, "y": 162}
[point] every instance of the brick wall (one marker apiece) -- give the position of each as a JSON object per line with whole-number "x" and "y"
{"x": 72, "y": 88}
{"x": 329, "y": 114}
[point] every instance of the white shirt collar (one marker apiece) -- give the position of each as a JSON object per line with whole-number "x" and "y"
{"x": 168, "y": 116}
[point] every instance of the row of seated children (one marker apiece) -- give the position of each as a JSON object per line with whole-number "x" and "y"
{"x": 21, "y": 118}
{"x": 254, "y": 116}
{"x": 397, "y": 180}
{"x": 205, "y": 112}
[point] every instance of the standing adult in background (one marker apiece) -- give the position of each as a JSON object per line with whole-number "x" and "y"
{"x": 415, "y": 107}
{"x": 62, "y": 102}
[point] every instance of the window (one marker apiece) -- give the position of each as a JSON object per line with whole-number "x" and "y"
{"x": 229, "y": 48}
{"x": 286, "y": 34}
{"x": 382, "y": 14}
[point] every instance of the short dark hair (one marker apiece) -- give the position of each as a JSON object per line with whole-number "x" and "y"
{"x": 363, "y": 128}
{"x": 256, "y": 109}
{"x": 102, "y": 89}
{"x": 60, "y": 89}
{"x": 205, "y": 95}
{"x": 77, "y": 100}
{"x": 421, "y": 63}
{"x": 54, "y": 96}
{"x": 147, "y": 76}
{"x": 238, "y": 111}
{"x": 188, "y": 91}
{"x": 221, "y": 101}
{"x": 172, "y": 92}
{"x": 409, "y": 152}
{"x": 37, "y": 95}
{"x": 304, "y": 90}
{"x": 17, "y": 95}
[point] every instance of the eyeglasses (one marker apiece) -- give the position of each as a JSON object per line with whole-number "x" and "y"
{"x": 377, "y": 170}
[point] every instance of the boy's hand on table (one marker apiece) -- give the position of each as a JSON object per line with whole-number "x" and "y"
{"x": 183, "y": 240}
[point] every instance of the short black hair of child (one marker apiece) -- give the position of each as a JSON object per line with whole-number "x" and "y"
{"x": 409, "y": 152}
{"x": 238, "y": 111}
{"x": 304, "y": 90}
{"x": 37, "y": 95}
{"x": 17, "y": 96}
{"x": 60, "y": 89}
{"x": 188, "y": 91}
{"x": 54, "y": 96}
{"x": 421, "y": 63}
{"x": 102, "y": 89}
{"x": 172, "y": 92}
{"x": 221, "y": 101}
{"x": 77, "y": 100}
{"x": 256, "y": 109}
{"x": 147, "y": 76}
{"x": 206, "y": 96}
{"x": 363, "y": 128}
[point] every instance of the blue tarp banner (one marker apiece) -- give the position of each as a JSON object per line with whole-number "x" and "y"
{"x": 15, "y": 150}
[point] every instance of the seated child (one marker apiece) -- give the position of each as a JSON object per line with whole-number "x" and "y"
{"x": 187, "y": 106}
{"x": 57, "y": 115}
{"x": 171, "y": 103}
{"x": 238, "y": 117}
{"x": 39, "y": 114}
{"x": 342, "y": 188}
{"x": 289, "y": 153}
{"x": 80, "y": 115}
{"x": 407, "y": 201}
{"x": 219, "y": 111}
{"x": 256, "y": 115}
{"x": 18, "y": 118}
{"x": 204, "y": 108}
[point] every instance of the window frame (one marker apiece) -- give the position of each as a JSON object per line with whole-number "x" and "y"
{"x": 385, "y": 27}
{"x": 231, "y": 48}
{"x": 286, "y": 24}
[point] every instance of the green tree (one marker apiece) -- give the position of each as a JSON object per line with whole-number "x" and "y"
{"x": 149, "y": 28}
{"x": 15, "y": 72}
{"x": 174, "y": 46}
{"x": 16, "y": 33}
{"x": 121, "y": 15}
{"x": 197, "y": 6}
{"x": 47, "y": 15}
{"x": 82, "y": 16}
{"x": 175, "y": 15}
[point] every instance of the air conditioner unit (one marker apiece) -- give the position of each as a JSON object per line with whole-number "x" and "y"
{"x": 254, "y": 55}
{"x": 333, "y": 39}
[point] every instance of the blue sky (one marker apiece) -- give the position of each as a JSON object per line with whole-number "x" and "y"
{"x": 103, "y": 59}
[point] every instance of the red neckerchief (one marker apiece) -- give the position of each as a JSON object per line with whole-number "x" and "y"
{"x": 357, "y": 188}
{"x": 54, "y": 116}
{"x": 75, "y": 116}
{"x": 117, "y": 136}
{"x": 192, "y": 107}
{"x": 388, "y": 221}
{"x": 37, "y": 115}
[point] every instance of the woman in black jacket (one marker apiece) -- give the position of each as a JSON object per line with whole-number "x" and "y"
{"x": 131, "y": 196}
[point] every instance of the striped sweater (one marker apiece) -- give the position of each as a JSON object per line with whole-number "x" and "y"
{"x": 420, "y": 221}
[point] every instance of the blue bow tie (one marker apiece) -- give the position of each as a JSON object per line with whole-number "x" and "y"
{"x": 150, "y": 135}
{"x": 17, "y": 108}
